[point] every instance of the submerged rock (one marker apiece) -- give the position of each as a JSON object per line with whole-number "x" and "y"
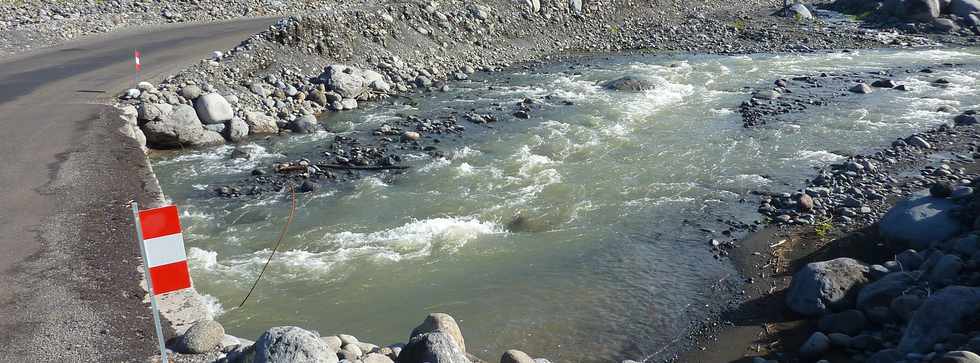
{"x": 629, "y": 84}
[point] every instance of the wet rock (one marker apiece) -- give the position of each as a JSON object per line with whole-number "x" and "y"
{"x": 820, "y": 287}
{"x": 805, "y": 202}
{"x": 291, "y": 344}
{"x": 918, "y": 10}
{"x": 202, "y": 337}
{"x": 941, "y": 189}
{"x": 213, "y": 108}
{"x": 848, "y": 322}
{"x": 942, "y": 314}
{"x": 434, "y": 347}
{"x": 883, "y": 83}
{"x": 516, "y": 356}
{"x": 860, "y": 88}
{"x": 964, "y": 120}
{"x": 443, "y": 323}
{"x": 919, "y": 221}
{"x": 306, "y": 124}
{"x": 629, "y": 84}
{"x": 919, "y": 142}
{"x": 945, "y": 270}
{"x": 307, "y": 187}
{"x": 410, "y": 136}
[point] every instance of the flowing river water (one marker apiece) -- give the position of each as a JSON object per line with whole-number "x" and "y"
{"x": 616, "y": 192}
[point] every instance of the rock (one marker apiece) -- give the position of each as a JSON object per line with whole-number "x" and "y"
{"x": 237, "y": 130}
{"x": 260, "y": 89}
{"x": 850, "y": 322}
{"x": 940, "y": 316}
{"x": 131, "y": 94}
{"x": 861, "y": 88}
{"x": 629, "y": 84}
{"x": 959, "y": 356}
{"x": 944, "y": 25}
{"x": 260, "y": 123}
{"x": 945, "y": 271}
{"x": 348, "y": 104}
{"x": 213, "y": 108}
{"x": 820, "y": 287}
{"x": 190, "y": 92}
{"x": 964, "y": 120}
{"x": 376, "y": 358}
{"x": 516, "y": 356}
{"x": 434, "y": 347}
{"x": 202, "y": 337}
{"x": 883, "y": 83}
{"x": 346, "y": 81}
{"x": 886, "y": 356}
{"x": 817, "y": 344}
{"x": 905, "y": 305}
{"x": 333, "y": 342}
{"x": 941, "y": 189}
{"x": 804, "y": 202}
{"x": 423, "y": 82}
{"x": 410, "y": 136}
{"x": 380, "y": 86}
{"x": 353, "y": 348}
{"x": 319, "y": 97}
{"x": 767, "y": 95}
{"x": 919, "y": 221}
{"x": 153, "y": 111}
{"x": 444, "y": 323}
{"x": 291, "y": 344}
{"x": 919, "y": 142}
{"x": 919, "y": 10}
{"x": 179, "y": 128}
{"x": 575, "y": 5}
{"x": 306, "y": 124}
{"x": 534, "y": 5}
{"x": 881, "y": 292}
{"x": 839, "y": 340}
{"x": 347, "y": 339}
{"x": 964, "y": 8}
{"x": 909, "y": 260}
{"x": 799, "y": 11}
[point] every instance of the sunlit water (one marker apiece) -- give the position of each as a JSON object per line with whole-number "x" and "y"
{"x": 612, "y": 264}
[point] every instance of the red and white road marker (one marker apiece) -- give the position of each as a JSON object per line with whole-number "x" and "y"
{"x": 164, "y": 258}
{"x": 136, "y": 59}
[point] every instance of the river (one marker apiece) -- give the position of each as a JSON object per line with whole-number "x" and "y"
{"x": 618, "y": 195}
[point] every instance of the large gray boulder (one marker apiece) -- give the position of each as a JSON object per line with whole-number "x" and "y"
{"x": 515, "y": 356}
{"x": 347, "y": 81}
{"x": 202, "y": 337}
{"x": 305, "y": 124}
{"x": 434, "y": 347}
{"x": 914, "y": 10}
{"x": 179, "y": 128}
{"x": 260, "y": 123}
{"x": 960, "y": 356}
{"x": 920, "y": 221}
{"x": 941, "y": 315}
{"x": 213, "y": 108}
{"x": 629, "y": 84}
{"x": 881, "y": 292}
{"x": 444, "y": 323}
{"x": 963, "y": 8}
{"x": 284, "y": 344}
{"x": 822, "y": 287}
{"x": 799, "y": 11}
{"x": 153, "y": 111}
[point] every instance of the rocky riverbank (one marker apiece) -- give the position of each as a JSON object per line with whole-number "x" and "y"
{"x": 875, "y": 260}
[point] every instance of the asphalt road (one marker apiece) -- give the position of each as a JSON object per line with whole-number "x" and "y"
{"x": 54, "y": 153}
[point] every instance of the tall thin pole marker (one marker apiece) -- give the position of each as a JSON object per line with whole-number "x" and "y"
{"x": 164, "y": 258}
{"x": 138, "y": 65}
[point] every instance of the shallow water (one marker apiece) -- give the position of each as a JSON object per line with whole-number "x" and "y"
{"x": 611, "y": 262}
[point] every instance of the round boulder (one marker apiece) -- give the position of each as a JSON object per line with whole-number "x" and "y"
{"x": 516, "y": 356}
{"x": 444, "y": 323}
{"x": 821, "y": 287}
{"x": 291, "y": 344}
{"x": 919, "y": 221}
{"x": 213, "y": 108}
{"x": 202, "y": 337}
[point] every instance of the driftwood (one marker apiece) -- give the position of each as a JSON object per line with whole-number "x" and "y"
{"x": 366, "y": 167}
{"x": 292, "y": 168}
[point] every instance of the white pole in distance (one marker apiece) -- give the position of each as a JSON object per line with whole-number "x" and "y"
{"x": 149, "y": 284}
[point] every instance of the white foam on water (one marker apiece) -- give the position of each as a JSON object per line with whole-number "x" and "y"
{"x": 213, "y": 306}
{"x": 817, "y": 157}
{"x": 433, "y": 165}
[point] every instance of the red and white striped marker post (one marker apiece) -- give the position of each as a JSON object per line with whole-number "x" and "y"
{"x": 164, "y": 258}
{"x": 137, "y": 64}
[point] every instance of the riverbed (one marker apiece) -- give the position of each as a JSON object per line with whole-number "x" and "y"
{"x": 580, "y": 234}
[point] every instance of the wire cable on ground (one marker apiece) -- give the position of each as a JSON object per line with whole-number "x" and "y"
{"x": 292, "y": 212}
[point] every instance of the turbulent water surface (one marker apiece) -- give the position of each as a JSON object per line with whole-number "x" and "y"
{"x": 610, "y": 261}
